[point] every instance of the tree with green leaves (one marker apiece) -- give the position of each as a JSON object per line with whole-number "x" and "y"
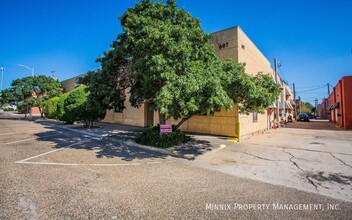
{"x": 78, "y": 107}
{"x": 50, "y": 109}
{"x": 306, "y": 107}
{"x": 165, "y": 58}
{"x": 7, "y": 96}
{"x": 61, "y": 108}
{"x": 37, "y": 89}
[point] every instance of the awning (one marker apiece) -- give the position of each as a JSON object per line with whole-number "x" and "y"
{"x": 292, "y": 102}
{"x": 288, "y": 93}
{"x": 333, "y": 106}
{"x": 288, "y": 105}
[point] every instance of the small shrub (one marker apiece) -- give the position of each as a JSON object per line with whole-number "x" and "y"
{"x": 9, "y": 109}
{"x": 152, "y": 137}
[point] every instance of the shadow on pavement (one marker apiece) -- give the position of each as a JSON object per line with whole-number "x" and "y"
{"x": 103, "y": 148}
{"x": 314, "y": 124}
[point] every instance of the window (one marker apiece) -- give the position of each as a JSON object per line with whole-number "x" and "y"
{"x": 255, "y": 116}
{"x": 119, "y": 107}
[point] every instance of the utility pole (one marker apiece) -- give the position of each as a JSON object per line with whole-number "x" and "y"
{"x": 53, "y": 74}
{"x": 277, "y": 101}
{"x": 328, "y": 89}
{"x": 2, "y": 76}
{"x": 294, "y": 99}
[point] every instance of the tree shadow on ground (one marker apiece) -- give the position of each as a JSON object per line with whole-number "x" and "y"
{"x": 195, "y": 147}
{"x": 101, "y": 147}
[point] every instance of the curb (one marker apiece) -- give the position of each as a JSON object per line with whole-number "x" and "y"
{"x": 128, "y": 143}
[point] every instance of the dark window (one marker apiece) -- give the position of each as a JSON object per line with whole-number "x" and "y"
{"x": 120, "y": 106}
{"x": 255, "y": 116}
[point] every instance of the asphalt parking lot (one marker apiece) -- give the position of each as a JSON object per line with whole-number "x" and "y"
{"x": 50, "y": 173}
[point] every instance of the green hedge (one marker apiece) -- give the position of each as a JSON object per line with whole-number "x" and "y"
{"x": 152, "y": 137}
{"x": 61, "y": 108}
{"x": 51, "y": 108}
{"x": 9, "y": 109}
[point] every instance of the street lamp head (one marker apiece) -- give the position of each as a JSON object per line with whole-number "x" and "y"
{"x": 24, "y": 66}
{"x": 2, "y": 69}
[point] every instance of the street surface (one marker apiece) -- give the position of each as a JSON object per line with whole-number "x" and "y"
{"x": 312, "y": 156}
{"x": 52, "y": 173}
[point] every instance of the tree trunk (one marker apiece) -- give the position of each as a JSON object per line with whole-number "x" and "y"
{"x": 182, "y": 121}
{"x": 41, "y": 112}
{"x": 162, "y": 118}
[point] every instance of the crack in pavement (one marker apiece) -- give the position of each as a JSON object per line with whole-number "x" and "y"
{"x": 262, "y": 158}
{"x": 340, "y": 160}
{"x": 307, "y": 176}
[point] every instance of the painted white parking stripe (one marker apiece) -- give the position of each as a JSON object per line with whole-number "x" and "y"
{"x": 31, "y": 131}
{"x": 154, "y": 162}
{"x": 8, "y": 133}
{"x": 21, "y": 161}
{"x": 29, "y": 139}
{"x": 71, "y": 145}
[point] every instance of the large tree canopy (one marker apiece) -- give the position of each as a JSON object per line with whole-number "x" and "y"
{"x": 165, "y": 58}
{"x": 35, "y": 89}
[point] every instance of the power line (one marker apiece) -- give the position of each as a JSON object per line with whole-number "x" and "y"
{"x": 282, "y": 73}
{"x": 306, "y": 87}
{"x": 311, "y": 89}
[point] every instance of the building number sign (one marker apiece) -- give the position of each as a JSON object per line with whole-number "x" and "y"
{"x": 223, "y": 45}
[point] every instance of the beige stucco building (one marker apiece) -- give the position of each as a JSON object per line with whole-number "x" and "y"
{"x": 233, "y": 44}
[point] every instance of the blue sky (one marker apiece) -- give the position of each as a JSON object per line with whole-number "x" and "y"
{"x": 312, "y": 39}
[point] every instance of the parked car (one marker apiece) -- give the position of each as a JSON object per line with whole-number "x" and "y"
{"x": 9, "y": 107}
{"x": 302, "y": 117}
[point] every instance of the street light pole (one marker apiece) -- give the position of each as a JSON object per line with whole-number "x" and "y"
{"x": 31, "y": 69}
{"x": 2, "y": 76}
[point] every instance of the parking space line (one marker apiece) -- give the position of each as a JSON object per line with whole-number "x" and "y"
{"x": 49, "y": 152}
{"x": 3, "y": 134}
{"x": 31, "y": 131}
{"x": 29, "y": 139}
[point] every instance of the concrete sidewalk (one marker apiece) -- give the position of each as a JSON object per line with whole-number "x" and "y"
{"x": 313, "y": 156}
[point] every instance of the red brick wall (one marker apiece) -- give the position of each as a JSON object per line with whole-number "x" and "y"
{"x": 338, "y": 98}
{"x": 347, "y": 101}
{"x": 34, "y": 111}
{"x": 331, "y": 100}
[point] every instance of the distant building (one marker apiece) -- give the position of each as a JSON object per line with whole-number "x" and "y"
{"x": 322, "y": 109}
{"x": 340, "y": 103}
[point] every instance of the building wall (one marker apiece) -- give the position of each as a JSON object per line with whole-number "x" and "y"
{"x": 331, "y": 100}
{"x": 221, "y": 123}
{"x": 342, "y": 93}
{"x": 34, "y": 111}
{"x": 321, "y": 109}
{"x": 69, "y": 84}
{"x": 347, "y": 102}
{"x": 129, "y": 116}
{"x": 337, "y": 111}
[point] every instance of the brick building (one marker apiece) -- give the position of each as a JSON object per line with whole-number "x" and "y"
{"x": 340, "y": 103}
